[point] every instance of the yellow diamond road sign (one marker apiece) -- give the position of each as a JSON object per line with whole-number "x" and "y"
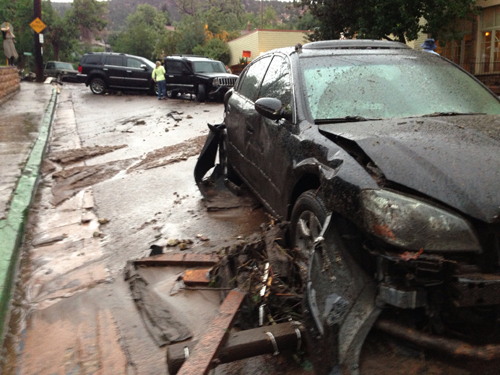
{"x": 37, "y": 25}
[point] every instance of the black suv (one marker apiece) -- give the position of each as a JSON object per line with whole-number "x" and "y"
{"x": 103, "y": 70}
{"x": 201, "y": 76}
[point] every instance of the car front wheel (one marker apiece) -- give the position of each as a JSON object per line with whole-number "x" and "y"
{"x": 202, "y": 96}
{"x": 98, "y": 86}
{"x": 308, "y": 217}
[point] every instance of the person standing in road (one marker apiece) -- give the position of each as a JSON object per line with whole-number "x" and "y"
{"x": 159, "y": 77}
{"x": 429, "y": 46}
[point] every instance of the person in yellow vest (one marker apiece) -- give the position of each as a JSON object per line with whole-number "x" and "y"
{"x": 8, "y": 45}
{"x": 159, "y": 77}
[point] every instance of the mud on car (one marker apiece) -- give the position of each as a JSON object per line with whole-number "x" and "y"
{"x": 386, "y": 162}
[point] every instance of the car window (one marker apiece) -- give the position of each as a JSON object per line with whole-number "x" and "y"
{"x": 175, "y": 67}
{"x": 208, "y": 67}
{"x": 115, "y": 60}
{"x": 249, "y": 86}
{"x": 62, "y": 65}
{"x": 50, "y": 66}
{"x": 276, "y": 83}
{"x": 390, "y": 86}
{"x": 92, "y": 59}
{"x": 134, "y": 63}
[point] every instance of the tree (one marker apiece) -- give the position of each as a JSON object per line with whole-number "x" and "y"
{"x": 89, "y": 16}
{"x": 60, "y": 33}
{"x": 388, "y": 19}
{"x": 215, "y": 49}
{"x": 145, "y": 29}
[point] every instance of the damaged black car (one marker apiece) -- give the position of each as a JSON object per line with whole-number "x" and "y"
{"x": 386, "y": 162}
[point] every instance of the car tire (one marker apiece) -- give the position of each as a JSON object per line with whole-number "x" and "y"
{"x": 98, "y": 86}
{"x": 155, "y": 89}
{"x": 308, "y": 216}
{"x": 201, "y": 96}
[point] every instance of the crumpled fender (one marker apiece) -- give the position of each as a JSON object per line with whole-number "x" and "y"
{"x": 206, "y": 160}
{"x": 339, "y": 305}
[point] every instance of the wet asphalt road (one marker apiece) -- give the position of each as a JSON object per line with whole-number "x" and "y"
{"x": 73, "y": 311}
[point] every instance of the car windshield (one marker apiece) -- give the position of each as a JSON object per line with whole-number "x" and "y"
{"x": 63, "y": 65}
{"x": 390, "y": 86}
{"x": 208, "y": 67}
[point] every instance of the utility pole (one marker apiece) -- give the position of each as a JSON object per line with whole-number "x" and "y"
{"x": 37, "y": 6}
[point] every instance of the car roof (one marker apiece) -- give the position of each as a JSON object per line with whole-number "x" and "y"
{"x": 190, "y": 57}
{"x": 349, "y": 46}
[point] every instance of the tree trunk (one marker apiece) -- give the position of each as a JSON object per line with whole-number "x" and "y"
{"x": 55, "y": 47}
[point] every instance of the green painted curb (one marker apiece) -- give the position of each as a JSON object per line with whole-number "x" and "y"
{"x": 12, "y": 228}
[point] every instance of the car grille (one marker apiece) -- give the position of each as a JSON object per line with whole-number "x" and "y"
{"x": 229, "y": 82}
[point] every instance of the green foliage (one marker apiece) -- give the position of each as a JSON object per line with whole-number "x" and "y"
{"x": 215, "y": 49}
{"x": 389, "y": 19}
{"x": 145, "y": 33}
{"x": 192, "y": 32}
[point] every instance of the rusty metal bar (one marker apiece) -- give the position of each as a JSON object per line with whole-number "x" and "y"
{"x": 452, "y": 347}
{"x": 200, "y": 361}
{"x": 243, "y": 344}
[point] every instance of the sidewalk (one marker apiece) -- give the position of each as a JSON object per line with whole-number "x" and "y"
{"x": 25, "y": 122}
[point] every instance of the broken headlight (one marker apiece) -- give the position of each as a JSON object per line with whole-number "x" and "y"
{"x": 413, "y": 224}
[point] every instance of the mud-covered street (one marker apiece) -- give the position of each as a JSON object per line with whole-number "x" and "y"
{"x": 118, "y": 179}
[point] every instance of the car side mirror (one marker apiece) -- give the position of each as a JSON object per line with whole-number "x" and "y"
{"x": 271, "y": 108}
{"x": 143, "y": 66}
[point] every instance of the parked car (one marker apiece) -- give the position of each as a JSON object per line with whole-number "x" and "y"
{"x": 63, "y": 71}
{"x": 386, "y": 162}
{"x": 106, "y": 70}
{"x": 197, "y": 75}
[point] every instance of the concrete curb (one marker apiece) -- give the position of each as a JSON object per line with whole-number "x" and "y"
{"x": 12, "y": 228}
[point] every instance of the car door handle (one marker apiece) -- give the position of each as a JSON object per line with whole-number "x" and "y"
{"x": 104, "y": 68}
{"x": 129, "y": 71}
{"x": 171, "y": 76}
{"x": 250, "y": 129}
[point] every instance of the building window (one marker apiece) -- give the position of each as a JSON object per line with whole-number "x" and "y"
{"x": 490, "y": 41}
{"x": 459, "y": 51}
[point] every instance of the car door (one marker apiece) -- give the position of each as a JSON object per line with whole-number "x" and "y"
{"x": 243, "y": 124}
{"x": 275, "y": 142}
{"x": 136, "y": 76}
{"x": 177, "y": 76}
{"x": 115, "y": 70}
{"x": 50, "y": 69}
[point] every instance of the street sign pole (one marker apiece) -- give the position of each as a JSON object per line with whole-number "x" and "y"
{"x": 38, "y": 47}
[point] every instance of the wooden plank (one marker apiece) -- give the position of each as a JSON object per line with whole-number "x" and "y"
{"x": 200, "y": 361}
{"x": 242, "y": 344}
{"x": 197, "y": 277}
{"x": 179, "y": 259}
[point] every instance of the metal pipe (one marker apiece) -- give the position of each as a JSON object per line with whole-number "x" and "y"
{"x": 452, "y": 347}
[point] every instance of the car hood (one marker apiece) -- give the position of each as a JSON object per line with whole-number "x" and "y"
{"x": 455, "y": 160}
{"x": 217, "y": 75}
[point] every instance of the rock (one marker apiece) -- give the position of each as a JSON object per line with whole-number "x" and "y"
{"x": 172, "y": 242}
{"x": 183, "y": 246}
{"x": 103, "y": 221}
{"x": 189, "y": 116}
{"x": 203, "y": 238}
{"x": 166, "y": 130}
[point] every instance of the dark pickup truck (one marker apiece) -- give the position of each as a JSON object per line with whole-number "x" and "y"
{"x": 197, "y": 75}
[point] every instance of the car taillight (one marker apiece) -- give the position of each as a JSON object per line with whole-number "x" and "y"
{"x": 79, "y": 69}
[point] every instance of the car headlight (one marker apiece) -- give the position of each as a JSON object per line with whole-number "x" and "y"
{"x": 412, "y": 224}
{"x": 215, "y": 82}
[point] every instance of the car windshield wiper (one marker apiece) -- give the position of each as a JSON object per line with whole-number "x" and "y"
{"x": 343, "y": 119}
{"x": 438, "y": 114}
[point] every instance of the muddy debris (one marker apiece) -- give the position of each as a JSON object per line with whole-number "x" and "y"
{"x": 171, "y": 154}
{"x": 103, "y": 221}
{"x": 175, "y": 115}
{"x": 68, "y": 182}
{"x": 84, "y": 153}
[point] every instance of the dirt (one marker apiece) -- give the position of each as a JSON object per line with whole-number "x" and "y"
{"x": 80, "y": 154}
